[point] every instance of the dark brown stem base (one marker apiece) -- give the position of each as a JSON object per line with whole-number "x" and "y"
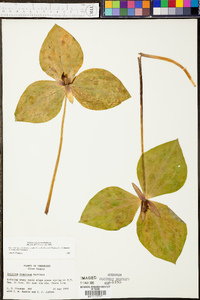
{"x": 141, "y": 121}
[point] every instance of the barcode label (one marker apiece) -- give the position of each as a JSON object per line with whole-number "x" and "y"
{"x": 93, "y": 293}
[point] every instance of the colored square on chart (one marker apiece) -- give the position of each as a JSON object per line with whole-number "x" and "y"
{"x": 108, "y": 4}
{"x": 116, "y": 4}
{"x": 179, "y": 3}
{"x": 116, "y": 12}
{"x": 138, "y": 11}
{"x": 123, "y": 4}
{"x": 138, "y": 4}
{"x": 194, "y": 11}
{"x": 108, "y": 11}
{"x": 156, "y": 11}
{"x": 172, "y": 11}
{"x": 131, "y": 11}
{"x": 194, "y": 3}
{"x": 156, "y": 3}
{"x": 186, "y": 11}
{"x": 186, "y": 3}
{"x": 164, "y": 10}
{"x": 179, "y": 11}
{"x": 123, "y": 11}
{"x": 164, "y": 3}
{"x": 146, "y": 4}
{"x": 131, "y": 4}
{"x": 146, "y": 11}
{"x": 172, "y": 3}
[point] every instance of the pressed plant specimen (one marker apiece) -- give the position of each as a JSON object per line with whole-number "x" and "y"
{"x": 61, "y": 57}
{"x": 161, "y": 170}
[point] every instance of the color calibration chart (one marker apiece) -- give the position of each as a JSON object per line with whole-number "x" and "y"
{"x": 176, "y": 7}
{"x": 147, "y": 8}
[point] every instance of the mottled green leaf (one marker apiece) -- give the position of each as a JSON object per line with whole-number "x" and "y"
{"x": 60, "y": 53}
{"x": 163, "y": 236}
{"x": 98, "y": 89}
{"x": 111, "y": 209}
{"x": 165, "y": 170}
{"x": 40, "y": 102}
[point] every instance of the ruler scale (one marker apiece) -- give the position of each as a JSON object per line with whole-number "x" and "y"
{"x": 49, "y": 10}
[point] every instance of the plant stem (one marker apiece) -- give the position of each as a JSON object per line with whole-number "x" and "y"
{"x": 141, "y": 104}
{"x": 171, "y": 61}
{"x": 57, "y": 160}
{"x": 141, "y": 121}
{"x": 141, "y": 100}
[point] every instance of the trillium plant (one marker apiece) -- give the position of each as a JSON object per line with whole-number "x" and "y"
{"x": 161, "y": 170}
{"x": 61, "y": 57}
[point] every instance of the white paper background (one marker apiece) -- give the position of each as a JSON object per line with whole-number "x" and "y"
{"x": 102, "y": 148}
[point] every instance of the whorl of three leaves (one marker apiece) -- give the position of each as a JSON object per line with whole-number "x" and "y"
{"x": 61, "y": 57}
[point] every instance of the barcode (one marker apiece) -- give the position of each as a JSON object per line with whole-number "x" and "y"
{"x": 95, "y": 293}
